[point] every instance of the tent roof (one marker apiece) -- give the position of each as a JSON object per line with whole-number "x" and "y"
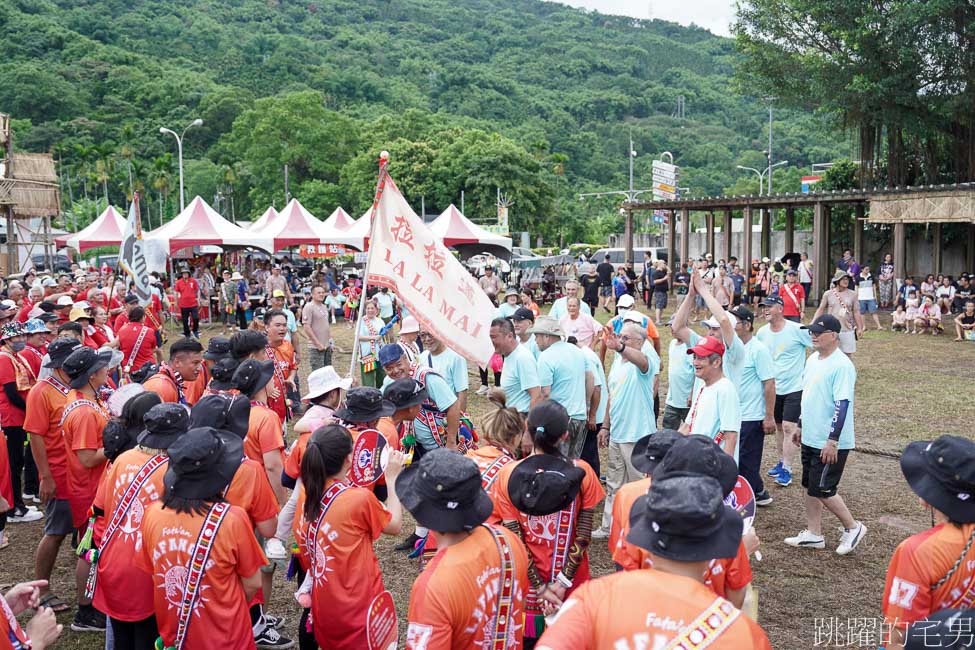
{"x": 263, "y": 220}
{"x": 360, "y": 230}
{"x": 454, "y": 229}
{"x": 339, "y": 219}
{"x": 106, "y": 230}
{"x": 200, "y": 225}
{"x": 295, "y": 226}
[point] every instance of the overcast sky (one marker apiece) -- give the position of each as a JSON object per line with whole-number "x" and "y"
{"x": 715, "y": 15}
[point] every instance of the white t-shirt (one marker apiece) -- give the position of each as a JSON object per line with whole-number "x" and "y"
{"x": 715, "y": 408}
{"x": 805, "y": 275}
{"x": 865, "y": 288}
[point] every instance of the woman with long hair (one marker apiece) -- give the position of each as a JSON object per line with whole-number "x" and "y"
{"x": 370, "y": 340}
{"x": 339, "y": 524}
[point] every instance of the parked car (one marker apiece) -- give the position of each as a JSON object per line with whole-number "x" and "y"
{"x": 616, "y": 256}
{"x": 59, "y": 263}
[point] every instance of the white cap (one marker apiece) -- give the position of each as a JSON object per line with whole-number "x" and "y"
{"x": 625, "y": 301}
{"x": 325, "y": 380}
{"x": 48, "y": 281}
{"x": 409, "y": 326}
{"x": 713, "y": 322}
{"x": 65, "y": 301}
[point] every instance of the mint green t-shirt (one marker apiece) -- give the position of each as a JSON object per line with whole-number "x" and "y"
{"x": 825, "y": 382}
{"x": 562, "y": 366}
{"x": 751, "y": 389}
{"x": 788, "y": 349}
{"x": 595, "y": 366}
{"x": 631, "y": 398}
{"x": 716, "y": 408}
{"x": 519, "y": 373}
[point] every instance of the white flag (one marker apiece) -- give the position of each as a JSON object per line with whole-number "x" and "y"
{"x": 132, "y": 253}
{"x": 436, "y": 288}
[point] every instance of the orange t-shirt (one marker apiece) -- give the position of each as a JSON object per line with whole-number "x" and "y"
{"x": 220, "y": 618}
{"x": 292, "y": 463}
{"x": 346, "y": 574}
{"x": 45, "y": 406}
{"x": 264, "y": 433}
{"x": 453, "y": 604}
{"x": 194, "y": 390}
{"x": 163, "y": 386}
{"x": 643, "y": 609}
{"x": 82, "y": 429}
{"x": 251, "y": 490}
{"x": 540, "y": 533}
{"x": 922, "y": 560}
{"x": 285, "y": 362}
{"x": 124, "y": 592}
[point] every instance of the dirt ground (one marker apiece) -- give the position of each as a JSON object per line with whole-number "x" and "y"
{"x": 908, "y": 388}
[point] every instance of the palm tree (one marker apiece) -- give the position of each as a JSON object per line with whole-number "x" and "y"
{"x": 127, "y": 153}
{"x": 83, "y": 155}
{"x": 162, "y": 175}
{"x": 104, "y": 166}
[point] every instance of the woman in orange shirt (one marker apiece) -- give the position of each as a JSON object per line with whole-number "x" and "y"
{"x": 549, "y": 501}
{"x": 341, "y": 522}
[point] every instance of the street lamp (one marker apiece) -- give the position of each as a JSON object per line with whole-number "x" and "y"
{"x": 179, "y": 149}
{"x": 761, "y": 174}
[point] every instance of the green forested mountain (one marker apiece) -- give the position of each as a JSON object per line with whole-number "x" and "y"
{"x": 537, "y": 98}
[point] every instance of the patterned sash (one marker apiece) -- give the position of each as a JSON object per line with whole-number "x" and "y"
{"x": 197, "y": 568}
{"x": 327, "y": 500}
{"x": 489, "y": 475}
{"x": 18, "y": 638}
{"x": 177, "y": 380}
{"x": 279, "y": 376}
{"x": 29, "y": 349}
{"x": 22, "y": 371}
{"x": 129, "y": 497}
{"x": 534, "y": 619}
{"x": 707, "y": 627}
{"x": 369, "y": 361}
{"x": 68, "y": 409}
{"x": 135, "y": 350}
{"x": 57, "y": 385}
{"x": 506, "y": 589}
{"x": 436, "y": 420}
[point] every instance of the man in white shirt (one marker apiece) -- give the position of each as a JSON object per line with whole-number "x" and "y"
{"x": 715, "y": 409}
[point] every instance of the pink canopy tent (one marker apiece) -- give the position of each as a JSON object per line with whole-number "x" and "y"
{"x": 339, "y": 219}
{"x": 200, "y": 225}
{"x": 262, "y": 221}
{"x": 360, "y": 230}
{"x": 455, "y": 229}
{"x": 106, "y": 230}
{"x": 295, "y": 226}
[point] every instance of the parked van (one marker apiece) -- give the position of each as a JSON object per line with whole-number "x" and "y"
{"x": 616, "y": 256}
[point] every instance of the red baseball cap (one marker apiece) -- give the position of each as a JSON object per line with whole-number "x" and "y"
{"x": 707, "y": 346}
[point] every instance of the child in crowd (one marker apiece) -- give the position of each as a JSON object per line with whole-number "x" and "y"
{"x": 929, "y": 317}
{"x": 899, "y": 320}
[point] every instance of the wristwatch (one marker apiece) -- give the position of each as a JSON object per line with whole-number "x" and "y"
{"x": 563, "y": 580}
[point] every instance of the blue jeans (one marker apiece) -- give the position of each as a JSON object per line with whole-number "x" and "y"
{"x": 751, "y": 445}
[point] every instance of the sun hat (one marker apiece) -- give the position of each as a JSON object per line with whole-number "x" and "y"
{"x": 217, "y": 348}
{"x": 323, "y": 381}
{"x": 59, "y": 350}
{"x": 364, "y": 404}
{"x": 707, "y": 346}
{"x": 10, "y": 330}
{"x": 251, "y": 376}
{"x": 81, "y": 364}
{"x": 684, "y": 518}
{"x": 409, "y": 326}
{"x": 625, "y": 301}
{"x": 543, "y": 484}
{"x": 405, "y": 393}
{"x": 825, "y": 323}
{"x": 547, "y": 325}
{"x": 942, "y": 472}
{"x": 164, "y": 423}
{"x": 224, "y": 412}
{"x": 79, "y": 313}
{"x": 118, "y": 399}
{"x": 650, "y": 450}
{"x": 390, "y": 353}
{"x": 202, "y": 463}
{"x": 35, "y": 326}
{"x": 65, "y": 301}
{"x": 443, "y": 492}
{"x": 510, "y": 291}
{"x": 236, "y": 276}
{"x": 48, "y": 281}
{"x": 699, "y": 455}
{"x": 116, "y": 356}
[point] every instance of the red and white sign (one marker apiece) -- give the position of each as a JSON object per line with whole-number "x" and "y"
{"x": 322, "y": 250}
{"x": 382, "y": 632}
{"x": 370, "y": 455}
{"x": 437, "y": 290}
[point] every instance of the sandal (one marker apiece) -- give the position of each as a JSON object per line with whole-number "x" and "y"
{"x": 55, "y": 603}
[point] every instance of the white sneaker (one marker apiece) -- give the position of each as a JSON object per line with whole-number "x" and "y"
{"x": 483, "y": 390}
{"x": 805, "y": 539}
{"x": 24, "y": 516}
{"x": 600, "y": 533}
{"x": 851, "y": 539}
{"x": 274, "y": 549}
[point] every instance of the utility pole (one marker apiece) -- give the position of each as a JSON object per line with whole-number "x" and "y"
{"x": 287, "y": 190}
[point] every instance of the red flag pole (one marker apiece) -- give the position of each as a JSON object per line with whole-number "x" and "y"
{"x": 380, "y": 185}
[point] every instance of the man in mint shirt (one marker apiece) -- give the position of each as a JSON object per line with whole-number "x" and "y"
{"x": 446, "y": 363}
{"x": 680, "y": 381}
{"x": 632, "y": 381}
{"x": 563, "y": 377}
{"x": 715, "y": 409}
{"x": 788, "y": 343}
{"x": 826, "y": 436}
{"x": 441, "y": 401}
{"x": 524, "y": 320}
{"x": 519, "y": 375}
{"x": 597, "y": 405}
{"x": 560, "y": 306}
{"x": 756, "y": 390}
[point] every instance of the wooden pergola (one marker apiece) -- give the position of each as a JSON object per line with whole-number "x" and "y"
{"x": 934, "y": 204}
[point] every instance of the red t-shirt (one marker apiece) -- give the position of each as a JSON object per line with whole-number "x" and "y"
{"x": 220, "y": 618}
{"x": 187, "y": 293}
{"x": 123, "y": 591}
{"x": 793, "y": 296}
{"x": 82, "y": 429}
{"x": 128, "y": 336}
{"x": 45, "y": 405}
{"x": 26, "y": 309}
{"x": 10, "y": 415}
{"x": 33, "y": 358}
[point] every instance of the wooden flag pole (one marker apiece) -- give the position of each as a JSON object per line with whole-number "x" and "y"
{"x": 380, "y": 184}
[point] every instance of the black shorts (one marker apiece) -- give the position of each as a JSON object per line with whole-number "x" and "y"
{"x": 821, "y": 481}
{"x": 788, "y": 407}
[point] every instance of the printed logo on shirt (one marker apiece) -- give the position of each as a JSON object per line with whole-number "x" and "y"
{"x": 322, "y": 557}
{"x": 131, "y": 526}
{"x": 172, "y": 574}
{"x": 418, "y": 636}
{"x": 542, "y": 529}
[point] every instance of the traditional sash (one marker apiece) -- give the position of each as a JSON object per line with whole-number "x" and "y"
{"x": 436, "y": 420}
{"x": 489, "y": 475}
{"x": 197, "y": 568}
{"x": 22, "y": 372}
{"x": 30, "y": 370}
{"x": 789, "y": 292}
{"x": 506, "y": 589}
{"x": 311, "y": 541}
{"x": 17, "y": 636}
{"x": 129, "y": 497}
{"x": 177, "y": 380}
{"x": 69, "y": 408}
{"x": 279, "y": 376}
{"x": 135, "y": 350}
{"x": 534, "y": 619}
{"x": 695, "y": 403}
{"x": 57, "y": 385}
{"x": 369, "y": 361}
{"x": 706, "y": 628}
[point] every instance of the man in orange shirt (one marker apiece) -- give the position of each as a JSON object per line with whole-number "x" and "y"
{"x": 185, "y": 358}
{"x": 82, "y": 423}
{"x": 45, "y": 405}
{"x": 265, "y": 440}
{"x": 282, "y": 353}
{"x": 209, "y": 598}
{"x": 472, "y": 592}
{"x": 217, "y": 348}
{"x": 137, "y": 342}
{"x": 684, "y": 524}
{"x": 132, "y": 484}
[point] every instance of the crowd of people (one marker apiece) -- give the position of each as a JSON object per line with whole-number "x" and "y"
{"x": 187, "y": 479}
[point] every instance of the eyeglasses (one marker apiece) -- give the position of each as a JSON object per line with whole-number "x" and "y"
{"x": 624, "y": 338}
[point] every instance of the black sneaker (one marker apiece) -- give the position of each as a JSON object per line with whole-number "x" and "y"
{"x": 763, "y": 498}
{"x": 88, "y": 619}
{"x": 277, "y": 622}
{"x": 271, "y": 638}
{"x": 408, "y": 544}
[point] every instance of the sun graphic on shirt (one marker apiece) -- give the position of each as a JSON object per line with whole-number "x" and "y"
{"x": 131, "y": 526}
{"x": 322, "y": 561}
{"x": 171, "y": 578}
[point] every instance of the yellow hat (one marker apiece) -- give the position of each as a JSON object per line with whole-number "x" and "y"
{"x": 277, "y": 293}
{"x": 77, "y": 314}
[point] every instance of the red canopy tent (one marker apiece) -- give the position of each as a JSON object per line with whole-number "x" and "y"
{"x": 106, "y": 230}
{"x": 262, "y": 221}
{"x": 339, "y": 219}
{"x": 295, "y": 226}
{"x": 455, "y": 229}
{"x": 200, "y": 225}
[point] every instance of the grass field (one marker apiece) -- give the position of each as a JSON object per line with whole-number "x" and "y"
{"x": 908, "y": 388}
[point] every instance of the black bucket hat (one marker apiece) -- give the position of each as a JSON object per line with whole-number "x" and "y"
{"x": 59, "y": 350}
{"x": 364, "y": 404}
{"x": 164, "y": 424}
{"x": 684, "y": 518}
{"x": 699, "y": 455}
{"x": 222, "y": 373}
{"x": 251, "y": 376}
{"x": 949, "y": 629}
{"x": 405, "y": 393}
{"x": 650, "y": 450}
{"x": 83, "y": 363}
{"x": 146, "y": 370}
{"x": 202, "y": 463}
{"x": 443, "y": 492}
{"x": 543, "y": 484}
{"x": 225, "y": 412}
{"x": 116, "y": 439}
{"x": 217, "y": 348}
{"x": 942, "y": 472}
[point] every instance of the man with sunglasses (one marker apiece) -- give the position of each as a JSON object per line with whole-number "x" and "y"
{"x": 446, "y": 363}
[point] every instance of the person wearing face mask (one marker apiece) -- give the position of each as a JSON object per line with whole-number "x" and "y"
{"x": 15, "y": 377}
